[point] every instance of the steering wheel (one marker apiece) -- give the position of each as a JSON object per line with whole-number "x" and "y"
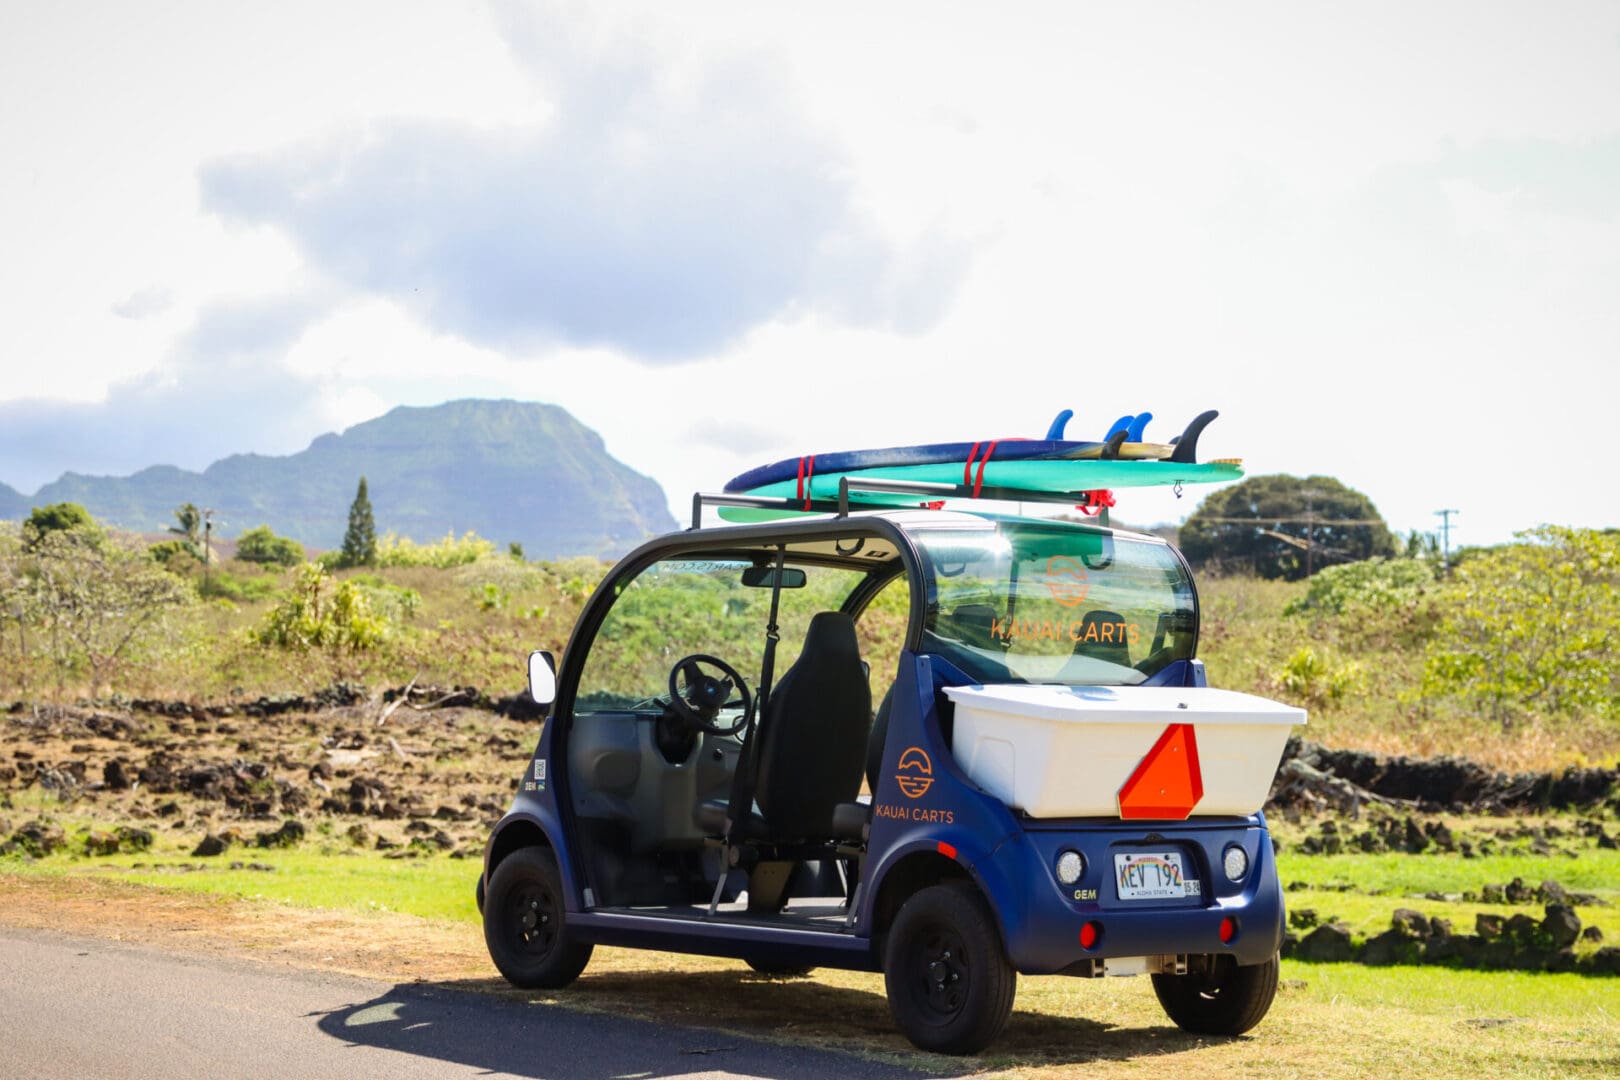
{"x": 699, "y": 702}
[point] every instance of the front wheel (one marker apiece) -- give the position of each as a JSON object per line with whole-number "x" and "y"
{"x": 525, "y": 923}
{"x": 1226, "y": 1000}
{"x": 949, "y": 981}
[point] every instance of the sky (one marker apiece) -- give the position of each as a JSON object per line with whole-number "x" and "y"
{"x": 1383, "y": 239}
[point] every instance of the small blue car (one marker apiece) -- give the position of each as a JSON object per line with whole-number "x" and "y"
{"x": 949, "y": 746}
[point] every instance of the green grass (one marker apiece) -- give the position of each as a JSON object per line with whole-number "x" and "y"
{"x": 433, "y": 887}
{"x": 1399, "y": 874}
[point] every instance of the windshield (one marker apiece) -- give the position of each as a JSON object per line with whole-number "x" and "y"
{"x": 687, "y": 605}
{"x": 1051, "y": 603}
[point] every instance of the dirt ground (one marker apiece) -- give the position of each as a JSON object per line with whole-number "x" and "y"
{"x": 382, "y": 775}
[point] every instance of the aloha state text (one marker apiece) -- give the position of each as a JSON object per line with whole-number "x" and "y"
{"x": 914, "y": 813}
{"x": 1119, "y": 633}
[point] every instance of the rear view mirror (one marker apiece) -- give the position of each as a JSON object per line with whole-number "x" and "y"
{"x": 768, "y": 577}
{"x": 542, "y": 677}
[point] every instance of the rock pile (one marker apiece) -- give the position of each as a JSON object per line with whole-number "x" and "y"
{"x": 1519, "y": 942}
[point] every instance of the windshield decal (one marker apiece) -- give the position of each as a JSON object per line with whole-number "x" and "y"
{"x": 1106, "y": 632}
{"x": 1066, "y": 580}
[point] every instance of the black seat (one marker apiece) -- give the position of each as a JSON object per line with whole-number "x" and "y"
{"x": 1102, "y": 637}
{"x": 812, "y": 740}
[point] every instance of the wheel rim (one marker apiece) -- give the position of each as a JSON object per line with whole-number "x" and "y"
{"x": 943, "y": 973}
{"x": 534, "y": 920}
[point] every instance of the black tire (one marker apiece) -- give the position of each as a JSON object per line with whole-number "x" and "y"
{"x": 949, "y": 981}
{"x": 525, "y": 923}
{"x": 780, "y": 970}
{"x": 1228, "y": 1000}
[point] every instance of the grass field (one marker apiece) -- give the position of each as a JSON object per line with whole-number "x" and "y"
{"x": 326, "y": 904}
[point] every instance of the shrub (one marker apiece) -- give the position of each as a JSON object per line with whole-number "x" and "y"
{"x": 175, "y": 555}
{"x": 1533, "y": 627}
{"x": 394, "y": 550}
{"x": 318, "y": 615}
{"x": 1314, "y": 678}
{"x": 260, "y": 545}
{"x": 1380, "y": 585}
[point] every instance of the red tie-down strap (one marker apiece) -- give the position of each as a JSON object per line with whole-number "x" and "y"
{"x": 807, "y": 470}
{"x": 976, "y": 481}
{"x": 1095, "y": 502}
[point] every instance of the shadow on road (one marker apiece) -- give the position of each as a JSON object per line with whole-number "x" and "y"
{"x": 499, "y": 1034}
{"x": 827, "y": 1031}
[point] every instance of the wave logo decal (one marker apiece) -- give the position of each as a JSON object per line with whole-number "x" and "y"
{"x": 1066, "y": 580}
{"x": 916, "y": 773}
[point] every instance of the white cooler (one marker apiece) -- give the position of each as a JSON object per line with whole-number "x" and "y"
{"x": 1066, "y": 751}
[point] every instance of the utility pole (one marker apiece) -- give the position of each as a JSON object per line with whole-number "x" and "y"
{"x": 1310, "y": 530}
{"x": 1445, "y": 538}
{"x": 208, "y": 535}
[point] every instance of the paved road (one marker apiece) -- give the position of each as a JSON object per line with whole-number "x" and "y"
{"x": 77, "y": 1007}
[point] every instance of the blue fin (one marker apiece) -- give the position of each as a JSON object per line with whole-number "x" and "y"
{"x": 1122, "y": 424}
{"x": 1137, "y": 426}
{"x": 1055, "y": 432}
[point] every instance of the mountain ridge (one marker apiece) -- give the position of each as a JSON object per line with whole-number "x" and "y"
{"x": 509, "y": 470}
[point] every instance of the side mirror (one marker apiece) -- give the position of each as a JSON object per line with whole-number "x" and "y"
{"x": 542, "y": 677}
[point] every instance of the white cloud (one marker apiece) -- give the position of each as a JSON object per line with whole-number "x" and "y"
{"x": 1381, "y": 241}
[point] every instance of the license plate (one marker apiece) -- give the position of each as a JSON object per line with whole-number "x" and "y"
{"x": 1153, "y": 875}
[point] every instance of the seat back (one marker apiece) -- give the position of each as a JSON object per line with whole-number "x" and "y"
{"x": 1102, "y": 637}
{"x": 813, "y": 737}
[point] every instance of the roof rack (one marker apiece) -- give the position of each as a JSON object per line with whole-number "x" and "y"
{"x": 927, "y": 491}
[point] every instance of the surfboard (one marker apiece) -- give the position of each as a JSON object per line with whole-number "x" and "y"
{"x": 1047, "y": 468}
{"x": 1122, "y": 442}
{"x": 1043, "y": 475}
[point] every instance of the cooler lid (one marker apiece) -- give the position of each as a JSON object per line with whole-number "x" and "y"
{"x": 1126, "y": 704}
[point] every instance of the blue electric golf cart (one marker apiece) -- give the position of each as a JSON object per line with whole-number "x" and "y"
{"x": 954, "y": 747}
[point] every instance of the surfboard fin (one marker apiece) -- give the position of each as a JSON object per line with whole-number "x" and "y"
{"x": 1186, "y": 443}
{"x": 1134, "y": 433}
{"x": 1055, "y": 432}
{"x": 1122, "y": 424}
{"x": 1110, "y": 450}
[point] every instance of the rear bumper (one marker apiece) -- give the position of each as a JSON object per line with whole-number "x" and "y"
{"x": 1047, "y": 939}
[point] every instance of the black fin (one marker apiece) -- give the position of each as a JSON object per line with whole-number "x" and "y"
{"x": 1187, "y": 443}
{"x": 1110, "y": 450}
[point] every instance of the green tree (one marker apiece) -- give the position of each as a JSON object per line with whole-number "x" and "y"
{"x": 1533, "y": 627}
{"x": 189, "y": 527}
{"x": 360, "y": 541}
{"x": 260, "y": 545}
{"x": 60, "y": 517}
{"x": 95, "y": 601}
{"x": 1284, "y": 527}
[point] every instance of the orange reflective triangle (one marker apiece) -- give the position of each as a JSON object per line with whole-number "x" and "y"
{"x": 1167, "y": 783}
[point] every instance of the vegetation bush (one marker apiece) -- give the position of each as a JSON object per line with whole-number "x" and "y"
{"x": 1533, "y": 627}
{"x": 396, "y": 551}
{"x": 80, "y": 602}
{"x": 176, "y": 555}
{"x": 318, "y": 614}
{"x": 260, "y": 545}
{"x": 223, "y": 585}
{"x": 60, "y": 517}
{"x": 1372, "y": 585}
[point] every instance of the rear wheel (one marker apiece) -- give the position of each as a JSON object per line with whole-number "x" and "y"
{"x": 949, "y": 981}
{"x": 1226, "y": 1000}
{"x": 526, "y": 926}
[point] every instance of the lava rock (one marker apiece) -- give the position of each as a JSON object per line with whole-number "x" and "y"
{"x": 1328, "y": 943}
{"x": 1562, "y": 926}
{"x": 289, "y": 835}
